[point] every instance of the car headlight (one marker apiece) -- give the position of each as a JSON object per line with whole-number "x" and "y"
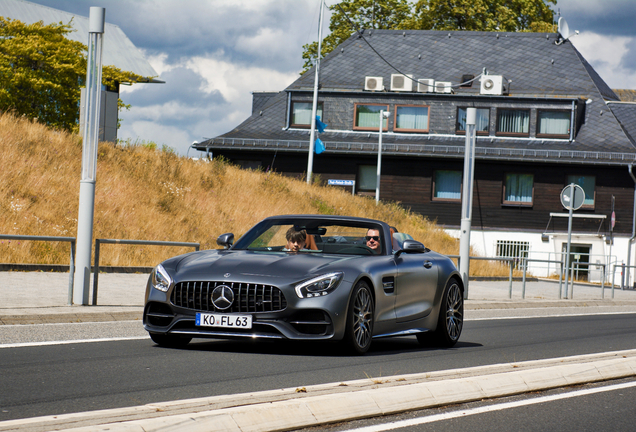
{"x": 319, "y": 286}
{"x": 161, "y": 279}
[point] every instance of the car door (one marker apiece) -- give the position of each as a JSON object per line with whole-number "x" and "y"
{"x": 416, "y": 284}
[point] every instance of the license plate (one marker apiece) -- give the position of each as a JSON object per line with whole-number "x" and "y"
{"x": 225, "y": 321}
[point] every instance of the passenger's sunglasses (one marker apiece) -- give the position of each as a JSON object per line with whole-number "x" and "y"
{"x": 376, "y": 238}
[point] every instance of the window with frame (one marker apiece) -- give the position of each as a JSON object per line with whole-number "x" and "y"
{"x": 518, "y": 250}
{"x": 553, "y": 123}
{"x": 518, "y": 189}
{"x": 482, "y": 122}
{"x": 367, "y": 117}
{"x": 301, "y": 114}
{"x": 367, "y": 177}
{"x": 515, "y": 122}
{"x": 411, "y": 118}
{"x": 447, "y": 185}
{"x": 588, "y": 183}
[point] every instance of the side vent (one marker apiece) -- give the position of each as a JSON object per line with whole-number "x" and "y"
{"x": 443, "y": 87}
{"x": 491, "y": 85}
{"x": 373, "y": 83}
{"x": 426, "y": 85}
{"x": 401, "y": 82}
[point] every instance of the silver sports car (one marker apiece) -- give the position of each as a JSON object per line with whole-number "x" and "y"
{"x": 308, "y": 277}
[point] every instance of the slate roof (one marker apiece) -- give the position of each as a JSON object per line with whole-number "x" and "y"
{"x": 537, "y": 68}
{"x": 118, "y": 50}
{"x": 625, "y": 113}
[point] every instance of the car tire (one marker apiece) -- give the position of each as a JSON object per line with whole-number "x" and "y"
{"x": 451, "y": 318}
{"x": 359, "y": 330}
{"x": 170, "y": 341}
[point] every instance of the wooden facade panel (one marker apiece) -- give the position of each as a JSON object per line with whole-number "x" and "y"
{"x": 410, "y": 182}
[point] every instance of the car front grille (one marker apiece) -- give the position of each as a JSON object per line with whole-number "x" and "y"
{"x": 248, "y": 298}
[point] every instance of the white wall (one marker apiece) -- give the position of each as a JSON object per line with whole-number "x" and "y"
{"x": 484, "y": 243}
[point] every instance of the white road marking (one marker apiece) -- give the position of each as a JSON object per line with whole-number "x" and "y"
{"x": 546, "y": 316}
{"x": 489, "y": 408}
{"x": 66, "y": 342}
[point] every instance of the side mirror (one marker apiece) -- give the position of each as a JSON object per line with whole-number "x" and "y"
{"x": 226, "y": 240}
{"x": 411, "y": 246}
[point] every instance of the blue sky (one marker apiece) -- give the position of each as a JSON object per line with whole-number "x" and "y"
{"x": 214, "y": 53}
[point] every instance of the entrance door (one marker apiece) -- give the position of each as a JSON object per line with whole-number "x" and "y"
{"x": 579, "y": 260}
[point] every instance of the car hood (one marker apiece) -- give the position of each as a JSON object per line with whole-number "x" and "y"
{"x": 249, "y": 266}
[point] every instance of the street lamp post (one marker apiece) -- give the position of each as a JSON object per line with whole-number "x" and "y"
{"x": 467, "y": 197}
{"x": 383, "y": 115}
{"x": 81, "y": 286}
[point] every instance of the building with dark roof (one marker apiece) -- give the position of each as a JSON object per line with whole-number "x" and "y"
{"x": 545, "y": 119}
{"x": 118, "y": 51}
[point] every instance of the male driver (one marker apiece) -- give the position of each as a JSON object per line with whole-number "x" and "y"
{"x": 373, "y": 240}
{"x": 295, "y": 240}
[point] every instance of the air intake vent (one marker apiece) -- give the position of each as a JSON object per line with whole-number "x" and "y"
{"x": 425, "y": 85}
{"x": 401, "y": 82}
{"x": 373, "y": 83}
{"x": 443, "y": 87}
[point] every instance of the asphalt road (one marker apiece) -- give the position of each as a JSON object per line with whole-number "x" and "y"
{"x": 607, "y": 406}
{"x": 56, "y": 379}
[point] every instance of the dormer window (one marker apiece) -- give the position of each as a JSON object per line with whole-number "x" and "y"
{"x": 411, "y": 118}
{"x": 301, "y": 114}
{"x": 482, "y": 122}
{"x": 513, "y": 122}
{"x": 553, "y": 123}
{"x": 367, "y": 117}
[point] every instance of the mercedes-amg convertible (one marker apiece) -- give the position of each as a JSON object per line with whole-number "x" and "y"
{"x": 308, "y": 277}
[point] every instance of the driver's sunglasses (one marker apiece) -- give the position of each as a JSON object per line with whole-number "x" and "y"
{"x": 376, "y": 238}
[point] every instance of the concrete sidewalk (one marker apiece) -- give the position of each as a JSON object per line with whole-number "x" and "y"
{"x": 42, "y": 297}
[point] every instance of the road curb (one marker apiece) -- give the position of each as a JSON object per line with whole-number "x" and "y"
{"x": 286, "y": 409}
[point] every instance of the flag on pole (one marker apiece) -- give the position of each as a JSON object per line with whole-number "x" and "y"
{"x": 319, "y": 147}
{"x": 320, "y": 125}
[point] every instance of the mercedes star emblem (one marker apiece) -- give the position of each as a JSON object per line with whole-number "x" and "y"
{"x": 222, "y": 297}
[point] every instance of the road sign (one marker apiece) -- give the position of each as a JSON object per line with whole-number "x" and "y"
{"x": 613, "y": 220}
{"x": 333, "y": 182}
{"x": 575, "y": 201}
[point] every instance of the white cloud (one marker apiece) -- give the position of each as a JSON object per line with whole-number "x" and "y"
{"x": 235, "y": 81}
{"x": 607, "y": 55}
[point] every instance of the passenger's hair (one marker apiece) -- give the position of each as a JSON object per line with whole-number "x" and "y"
{"x": 296, "y": 236}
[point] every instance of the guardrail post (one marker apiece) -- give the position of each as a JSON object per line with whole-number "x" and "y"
{"x": 561, "y": 278}
{"x": 71, "y": 276}
{"x": 572, "y": 279}
{"x": 603, "y": 284}
{"x": 622, "y": 276}
{"x": 523, "y": 285}
{"x": 510, "y": 279}
{"x": 96, "y": 272}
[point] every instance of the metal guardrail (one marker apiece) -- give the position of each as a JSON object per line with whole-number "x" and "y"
{"x": 623, "y": 267}
{"x": 196, "y": 246}
{"x": 525, "y": 269}
{"x": 52, "y": 239}
{"x": 510, "y": 264}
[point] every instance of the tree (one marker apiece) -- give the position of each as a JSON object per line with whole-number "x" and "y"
{"x": 478, "y": 15}
{"x": 41, "y": 72}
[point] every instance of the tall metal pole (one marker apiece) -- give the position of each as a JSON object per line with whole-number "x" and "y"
{"x": 467, "y": 197}
{"x": 567, "y": 257}
{"x": 314, "y": 108}
{"x": 81, "y": 287}
{"x": 383, "y": 115}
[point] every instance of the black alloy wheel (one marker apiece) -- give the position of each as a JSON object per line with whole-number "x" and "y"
{"x": 451, "y": 318}
{"x": 359, "y": 330}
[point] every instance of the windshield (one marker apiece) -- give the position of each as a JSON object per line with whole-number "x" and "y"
{"x": 331, "y": 238}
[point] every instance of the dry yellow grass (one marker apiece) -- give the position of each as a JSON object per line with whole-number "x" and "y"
{"x": 147, "y": 194}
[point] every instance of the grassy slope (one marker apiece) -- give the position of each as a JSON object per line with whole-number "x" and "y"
{"x": 142, "y": 193}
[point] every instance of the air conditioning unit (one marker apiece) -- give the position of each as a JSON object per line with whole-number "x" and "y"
{"x": 426, "y": 85}
{"x": 443, "y": 87}
{"x": 401, "y": 82}
{"x": 491, "y": 85}
{"x": 373, "y": 83}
